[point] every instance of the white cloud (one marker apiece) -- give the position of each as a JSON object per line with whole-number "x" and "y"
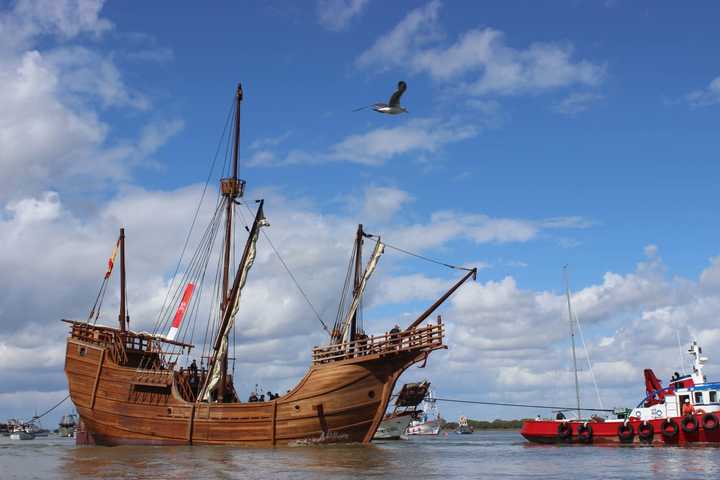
{"x": 336, "y": 15}
{"x": 448, "y": 225}
{"x": 382, "y": 203}
{"x": 378, "y": 146}
{"x": 577, "y": 102}
{"x": 709, "y": 95}
{"x": 480, "y": 61}
{"x": 54, "y": 96}
{"x": 417, "y": 29}
{"x": 517, "y": 339}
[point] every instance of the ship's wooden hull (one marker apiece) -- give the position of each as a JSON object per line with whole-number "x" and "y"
{"x": 342, "y": 401}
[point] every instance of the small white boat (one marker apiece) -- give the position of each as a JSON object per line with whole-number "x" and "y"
{"x": 395, "y": 424}
{"x": 21, "y": 435}
{"x": 429, "y": 421}
{"x": 393, "y": 427}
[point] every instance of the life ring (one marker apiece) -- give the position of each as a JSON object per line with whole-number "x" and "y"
{"x": 710, "y": 422}
{"x": 564, "y": 431}
{"x": 626, "y": 434}
{"x": 646, "y": 431}
{"x": 585, "y": 433}
{"x": 669, "y": 429}
{"x": 689, "y": 424}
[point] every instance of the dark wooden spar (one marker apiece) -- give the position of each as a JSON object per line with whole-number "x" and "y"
{"x": 128, "y": 389}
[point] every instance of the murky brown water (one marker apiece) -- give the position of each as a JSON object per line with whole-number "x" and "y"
{"x": 502, "y": 455}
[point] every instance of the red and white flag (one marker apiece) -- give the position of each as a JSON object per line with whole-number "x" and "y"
{"x": 180, "y": 313}
{"x": 111, "y": 260}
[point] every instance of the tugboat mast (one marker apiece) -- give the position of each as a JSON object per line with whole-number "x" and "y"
{"x": 572, "y": 340}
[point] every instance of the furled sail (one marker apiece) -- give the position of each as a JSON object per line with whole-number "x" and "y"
{"x": 372, "y": 263}
{"x": 247, "y": 263}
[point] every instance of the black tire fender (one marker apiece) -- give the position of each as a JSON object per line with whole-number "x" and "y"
{"x": 670, "y": 428}
{"x": 626, "y": 433}
{"x": 585, "y": 433}
{"x": 690, "y": 424}
{"x": 710, "y": 422}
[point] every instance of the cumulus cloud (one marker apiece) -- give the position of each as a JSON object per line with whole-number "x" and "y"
{"x": 516, "y": 340}
{"x": 480, "y": 61}
{"x": 71, "y": 252}
{"x": 54, "y": 96}
{"x": 707, "y": 96}
{"x": 382, "y": 203}
{"x": 336, "y": 15}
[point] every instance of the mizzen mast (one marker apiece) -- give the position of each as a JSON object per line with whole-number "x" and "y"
{"x": 123, "y": 316}
{"x": 231, "y": 188}
{"x": 357, "y": 279}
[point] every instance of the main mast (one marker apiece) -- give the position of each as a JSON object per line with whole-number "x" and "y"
{"x": 231, "y": 189}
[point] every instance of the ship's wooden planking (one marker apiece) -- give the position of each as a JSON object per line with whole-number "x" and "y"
{"x": 338, "y": 401}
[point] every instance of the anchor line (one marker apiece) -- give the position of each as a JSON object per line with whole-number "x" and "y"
{"x": 522, "y": 405}
{"x": 37, "y": 417}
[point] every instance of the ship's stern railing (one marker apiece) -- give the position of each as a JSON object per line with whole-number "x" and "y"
{"x": 429, "y": 337}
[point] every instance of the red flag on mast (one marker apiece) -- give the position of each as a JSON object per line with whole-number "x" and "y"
{"x": 180, "y": 313}
{"x": 111, "y": 260}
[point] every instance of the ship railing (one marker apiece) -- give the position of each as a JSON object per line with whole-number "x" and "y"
{"x": 132, "y": 341}
{"x": 429, "y": 337}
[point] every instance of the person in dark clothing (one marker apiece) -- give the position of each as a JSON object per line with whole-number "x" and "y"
{"x": 262, "y": 397}
{"x": 560, "y": 416}
{"x": 270, "y": 395}
{"x": 193, "y": 368}
{"x": 253, "y": 397}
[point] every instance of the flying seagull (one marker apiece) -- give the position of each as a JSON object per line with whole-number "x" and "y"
{"x": 393, "y": 106}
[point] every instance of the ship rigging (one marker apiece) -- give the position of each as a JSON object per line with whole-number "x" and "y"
{"x": 130, "y": 386}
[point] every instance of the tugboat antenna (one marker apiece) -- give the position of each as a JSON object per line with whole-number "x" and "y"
{"x": 572, "y": 339}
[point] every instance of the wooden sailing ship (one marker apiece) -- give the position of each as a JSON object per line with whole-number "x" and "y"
{"x": 128, "y": 388}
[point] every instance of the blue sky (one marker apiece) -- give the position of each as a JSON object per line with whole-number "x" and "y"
{"x": 638, "y": 161}
{"x": 539, "y": 135}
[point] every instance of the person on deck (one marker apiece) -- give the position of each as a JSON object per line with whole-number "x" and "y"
{"x": 193, "y": 368}
{"x": 253, "y": 397}
{"x": 560, "y": 416}
{"x": 262, "y": 397}
{"x": 394, "y": 336}
{"x": 687, "y": 409}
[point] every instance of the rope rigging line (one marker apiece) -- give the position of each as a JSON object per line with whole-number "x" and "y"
{"x": 417, "y": 255}
{"x": 199, "y": 205}
{"x": 587, "y": 356}
{"x": 345, "y": 292}
{"x": 522, "y": 405}
{"x": 289, "y": 272}
{"x": 197, "y": 264}
{"x": 38, "y": 417}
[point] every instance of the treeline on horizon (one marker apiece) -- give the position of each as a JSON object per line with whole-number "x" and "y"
{"x": 496, "y": 424}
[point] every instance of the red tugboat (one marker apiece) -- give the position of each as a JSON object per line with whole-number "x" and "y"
{"x": 686, "y": 411}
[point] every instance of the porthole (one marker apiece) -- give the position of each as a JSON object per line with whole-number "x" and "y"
{"x": 82, "y": 351}
{"x": 297, "y": 407}
{"x": 169, "y": 410}
{"x": 371, "y": 394}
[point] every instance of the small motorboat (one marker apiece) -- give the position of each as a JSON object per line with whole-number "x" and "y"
{"x": 463, "y": 427}
{"x": 19, "y": 432}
